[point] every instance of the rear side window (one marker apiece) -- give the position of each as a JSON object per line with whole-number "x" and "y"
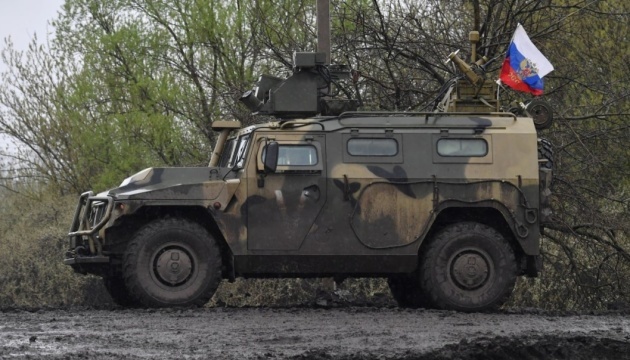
{"x": 372, "y": 147}
{"x": 462, "y": 147}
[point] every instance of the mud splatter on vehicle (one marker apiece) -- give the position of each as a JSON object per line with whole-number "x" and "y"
{"x": 449, "y": 205}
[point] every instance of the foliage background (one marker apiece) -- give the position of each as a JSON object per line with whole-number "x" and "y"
{"x": 127, "y": 84}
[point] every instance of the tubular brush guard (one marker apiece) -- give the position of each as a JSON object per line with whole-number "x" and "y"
{"x": 85, "y": 226}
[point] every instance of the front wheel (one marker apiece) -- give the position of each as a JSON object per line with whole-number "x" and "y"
{"x": 468, "y": 267}
{"x": 172, "y": 262}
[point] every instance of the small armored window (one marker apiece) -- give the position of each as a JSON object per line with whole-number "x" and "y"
{"x": 462, "y": 147}
{"x": 372, "y": 147}
{"x": 295, "y": 155}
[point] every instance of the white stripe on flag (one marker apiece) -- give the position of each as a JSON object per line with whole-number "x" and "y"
{"x": 527, "y": 48}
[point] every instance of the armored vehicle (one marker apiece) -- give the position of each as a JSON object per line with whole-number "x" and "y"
{"x": 448, "y": 205}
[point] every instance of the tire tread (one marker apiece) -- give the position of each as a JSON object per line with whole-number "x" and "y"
{"x": 144, "y": 235}
{"x": 432, "y": 251}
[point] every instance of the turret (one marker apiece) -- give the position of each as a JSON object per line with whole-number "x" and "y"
{"x": 308, "y": 91}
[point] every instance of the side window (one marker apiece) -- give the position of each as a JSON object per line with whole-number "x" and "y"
{"x": 462, "y": 147}
{"x": 297, "y": 155}
{"x": 372, "y": 147}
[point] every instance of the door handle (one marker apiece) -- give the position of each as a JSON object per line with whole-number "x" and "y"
{"x": 311, "y": 192}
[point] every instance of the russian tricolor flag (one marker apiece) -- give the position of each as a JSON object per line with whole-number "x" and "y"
{"x": 524, "y": 65}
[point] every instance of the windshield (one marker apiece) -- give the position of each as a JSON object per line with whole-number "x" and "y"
{"x": 227, "y": 153}
{"x": 238, "y": 157}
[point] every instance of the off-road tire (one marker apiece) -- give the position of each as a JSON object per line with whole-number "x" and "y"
{"x": 172, "y": 262}
{"x": 545, "y": 152}
{"x": 468, "y": 267}
{"x": 541, "y": 112}
{"x": 407, "y": 292}
{"x": 116, "y": 288}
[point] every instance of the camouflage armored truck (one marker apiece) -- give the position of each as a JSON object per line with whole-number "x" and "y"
{"x": 447, "y": 205}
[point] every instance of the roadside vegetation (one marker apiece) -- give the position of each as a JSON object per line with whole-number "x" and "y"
{"x": 122, "y": 85}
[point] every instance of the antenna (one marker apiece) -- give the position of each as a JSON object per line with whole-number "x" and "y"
{"x": 323, "y": 28}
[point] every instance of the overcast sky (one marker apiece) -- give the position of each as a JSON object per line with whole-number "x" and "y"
{"x": 20, "y": 20}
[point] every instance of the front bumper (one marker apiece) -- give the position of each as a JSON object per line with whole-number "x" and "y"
{"x": 86, "y": 244}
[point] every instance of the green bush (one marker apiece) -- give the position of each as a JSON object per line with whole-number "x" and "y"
{"x": 32, "y": 243}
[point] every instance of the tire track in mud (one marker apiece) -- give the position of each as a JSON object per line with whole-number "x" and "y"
{"x": 310, "y": 333}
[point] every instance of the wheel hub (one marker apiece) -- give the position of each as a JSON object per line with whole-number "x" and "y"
{"x": 173, "y": 266}
{"x": 470, "y": 270}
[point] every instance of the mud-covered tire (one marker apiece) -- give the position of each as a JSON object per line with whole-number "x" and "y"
{"x": 172, "y": 262}
{"x": 469, "y": 267}
{"x": 545, "y": 152}
{"x": 116, "y": 288}
{"x": 407, "y": 292}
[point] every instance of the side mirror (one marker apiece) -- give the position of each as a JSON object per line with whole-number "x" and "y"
{"x": 271, "y": 157}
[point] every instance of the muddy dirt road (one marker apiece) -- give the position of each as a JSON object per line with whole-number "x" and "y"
{"x": 305, "y": 333}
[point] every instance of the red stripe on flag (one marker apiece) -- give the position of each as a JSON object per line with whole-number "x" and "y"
{"x": 510, "y": 78}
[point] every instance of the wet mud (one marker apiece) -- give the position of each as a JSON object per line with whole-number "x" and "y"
{"x": 310, "y": 333}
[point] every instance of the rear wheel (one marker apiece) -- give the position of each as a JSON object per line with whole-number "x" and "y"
{"x": 172, "y": 262}
{"x": 468, "y": 267}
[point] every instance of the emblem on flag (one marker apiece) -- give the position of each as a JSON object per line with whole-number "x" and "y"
{"x": 524, "y": 65}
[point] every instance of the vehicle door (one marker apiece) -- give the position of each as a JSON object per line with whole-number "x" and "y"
{"x": 283, "y": 205}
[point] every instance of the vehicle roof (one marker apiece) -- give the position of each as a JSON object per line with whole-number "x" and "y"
{"x": 401, "y": 121}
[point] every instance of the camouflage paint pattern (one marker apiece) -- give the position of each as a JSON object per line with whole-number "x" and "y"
{"x": 317, "y": 218}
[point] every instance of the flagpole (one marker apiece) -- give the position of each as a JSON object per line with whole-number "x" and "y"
{"x": 499, "y": 91}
